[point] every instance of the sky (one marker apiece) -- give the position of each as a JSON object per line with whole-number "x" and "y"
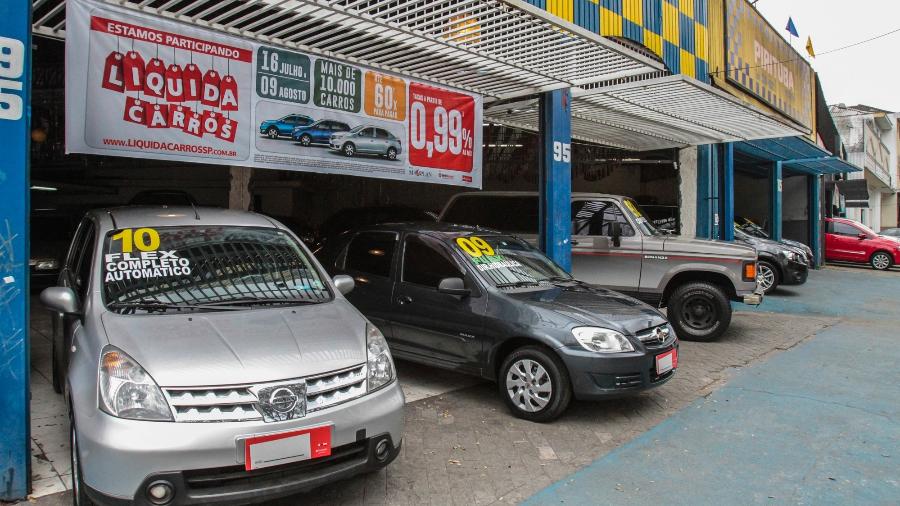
{"x": 867, "y": 74}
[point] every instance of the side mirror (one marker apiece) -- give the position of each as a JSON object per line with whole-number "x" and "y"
{"x": 344, "y": 283}
{"x": 615, "y": 231}
{"x": 862, "y": 236}
{"x": 454, "y": 286}
{"x": 60, "y": 299}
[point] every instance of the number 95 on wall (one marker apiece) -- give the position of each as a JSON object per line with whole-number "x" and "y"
{"x": 441, "y": 128}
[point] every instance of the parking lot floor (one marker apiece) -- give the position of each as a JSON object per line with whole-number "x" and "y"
{"x": 817, "y": 424}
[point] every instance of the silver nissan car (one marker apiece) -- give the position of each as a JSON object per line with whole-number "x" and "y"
{"x": 210, "y": 360}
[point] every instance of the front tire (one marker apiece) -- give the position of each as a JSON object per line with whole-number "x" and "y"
{"x": 79, "y": 495}
{"x": 769, "y": 277}
{"x": 391, "y": 154}
{"x": 881, "y": 261}
{"x": 272, "y": 133}
{"x": 305, "y": 140}
{"x": 699, "y": 311}
{"x": 535, "y": 384}
{"x": 348, "y": 149}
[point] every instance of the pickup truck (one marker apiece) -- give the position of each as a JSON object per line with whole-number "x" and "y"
{"x": 616, "y": 247}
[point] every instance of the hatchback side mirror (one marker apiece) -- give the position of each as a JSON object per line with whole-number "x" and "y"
{"x": 615, "y": 231}
{"x": 60, "y": 299}
{"x": 862, "y": 236}
{"x": 454, "y": 286}
{"x": 344, "y": 283}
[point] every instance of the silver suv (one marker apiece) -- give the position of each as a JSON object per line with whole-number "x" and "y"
{"x": 210, "y": 359}
{"x": 615, "y": 246}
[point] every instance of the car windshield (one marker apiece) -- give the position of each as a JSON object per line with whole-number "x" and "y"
{"x": 749, "y": 227}
{"x": 205, "y": 267}
{"x": 641, "y": 218}
{"x": 865, "y": 229}
{"x": 507, "y": 262}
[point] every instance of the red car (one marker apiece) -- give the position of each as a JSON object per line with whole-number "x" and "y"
{"x": 850, "y": 241}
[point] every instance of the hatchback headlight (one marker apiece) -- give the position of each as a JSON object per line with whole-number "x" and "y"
{"x": 602, "y": 340}
{"x": 793, "y": 256}
{"x": 127, "y": 391}
{"x": 380, "y": 364}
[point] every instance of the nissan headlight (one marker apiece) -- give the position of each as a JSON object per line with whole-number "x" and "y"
{"x": 602, "y": 340}
{"x": 127, "y": 391}
{"x": 380, "y": 364}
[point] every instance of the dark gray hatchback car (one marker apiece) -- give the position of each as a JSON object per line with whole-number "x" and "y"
{"x": 489, "y": 304}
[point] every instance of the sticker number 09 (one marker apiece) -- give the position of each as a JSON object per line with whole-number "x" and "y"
{"x": 146, "y": 239}
{"x": 475, "y": 246}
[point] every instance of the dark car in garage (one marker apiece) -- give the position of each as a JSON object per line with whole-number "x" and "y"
{"x": 489, "y": 304}
{"x": 779, "y": 264}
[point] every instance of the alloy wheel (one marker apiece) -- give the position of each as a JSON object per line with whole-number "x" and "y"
{"x": 272, "y": 132}
{"x": 305, "y": 140}
{"x": 528, "y": 385}
{"x": 349, "y": 150}
{"x": 766, "y": 277}
{"x": 881, "y": 261}
{"x": 392, "y": 154}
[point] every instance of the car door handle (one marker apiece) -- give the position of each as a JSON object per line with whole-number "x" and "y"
{"x": 404, "y": 299}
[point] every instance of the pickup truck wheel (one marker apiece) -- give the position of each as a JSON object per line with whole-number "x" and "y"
{"x": 769, "y": 277}
{"x": 534, "y": 383}
{"x": 699, "y": 311}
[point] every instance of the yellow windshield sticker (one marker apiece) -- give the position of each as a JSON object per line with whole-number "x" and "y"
{"x": 633, "y": 208}
{"x": 475, "y": 246}
{"x": 146, "y": 239}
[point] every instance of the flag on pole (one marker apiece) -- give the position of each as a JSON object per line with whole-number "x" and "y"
{"x": 791, "y": 28}
{"x": 809, "y": 47}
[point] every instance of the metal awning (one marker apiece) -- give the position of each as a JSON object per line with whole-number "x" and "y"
{"x": 657, "y": 113}
{"x": 497, "y": 48}
{"x": 796, "y": 154}
{"x": 855, "y": 192}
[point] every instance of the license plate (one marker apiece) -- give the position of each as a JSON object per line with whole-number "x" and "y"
{"x": 666, "y": 362}
{"x": 285, "y": 447}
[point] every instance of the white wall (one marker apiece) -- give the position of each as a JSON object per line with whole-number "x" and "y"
{"x": 687, "y": 185}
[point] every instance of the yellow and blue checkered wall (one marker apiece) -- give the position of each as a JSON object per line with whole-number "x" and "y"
{"x": 676, "y": 30}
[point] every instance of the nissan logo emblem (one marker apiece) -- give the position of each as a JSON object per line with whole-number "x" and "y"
{"x": 283, "y": 400}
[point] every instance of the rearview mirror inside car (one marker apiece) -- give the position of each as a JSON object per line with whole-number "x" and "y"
{"x": 453, "y": 286}
{"x": 60, "y": 299}
{"x": 344, "y": 283}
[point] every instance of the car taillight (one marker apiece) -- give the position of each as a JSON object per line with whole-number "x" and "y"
{"x": 749, "y": 271}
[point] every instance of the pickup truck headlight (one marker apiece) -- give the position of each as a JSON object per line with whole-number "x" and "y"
{"x": 602, "y": 340}
{"x": 380, "y": 364}
{"x": 127, "y": 391}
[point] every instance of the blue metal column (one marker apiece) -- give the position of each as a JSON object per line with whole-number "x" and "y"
{"x": 556, "y": 177}
{"x": 728, "y": 193}
{"x": 15, "y": 86}
{"x": 775, "y": 202}
{"x": 815, "y": 218}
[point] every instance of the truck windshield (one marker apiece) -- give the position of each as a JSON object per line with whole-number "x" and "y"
{"x": 640, "y": 218}
{"x": 507, "y": 262}
{"x": 206, "y": 268}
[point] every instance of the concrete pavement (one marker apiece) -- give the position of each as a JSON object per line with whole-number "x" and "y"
{"x": 818, "y": 424}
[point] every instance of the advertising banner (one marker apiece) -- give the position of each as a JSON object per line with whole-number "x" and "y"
{"x": 761, "y": 62}
{"x": 145, "y": 86}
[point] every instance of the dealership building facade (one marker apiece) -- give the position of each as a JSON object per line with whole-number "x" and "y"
{"x": 697, "y": 108}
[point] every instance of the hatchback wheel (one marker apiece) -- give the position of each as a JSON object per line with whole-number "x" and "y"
{"x": 305, "y": 140}
{"x": 881, "y": 261}
{"x": 768, "y": 277}
{"x": 535, "y": 384}
{"x": 79, "y": 496}
{"x": 272, "y": 132}
{"x": 391, "y": 154}
{"x": 349, "y": 149}
{"x": 699, "y": 311}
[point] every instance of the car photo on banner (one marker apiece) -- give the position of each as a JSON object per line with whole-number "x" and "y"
{"x": 331, "y": 135}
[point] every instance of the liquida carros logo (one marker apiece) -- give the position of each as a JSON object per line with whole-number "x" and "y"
{"x": 172, "y": 81}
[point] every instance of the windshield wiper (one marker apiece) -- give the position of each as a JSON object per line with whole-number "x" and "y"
{"x": 251, "y": 300}
{"x": 518, "y": 284}
{"x": 155, "y": 305}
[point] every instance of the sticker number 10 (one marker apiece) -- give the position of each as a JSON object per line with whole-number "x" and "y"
{"x": 12, "y": 66}
{"x": 146, "y": 239}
